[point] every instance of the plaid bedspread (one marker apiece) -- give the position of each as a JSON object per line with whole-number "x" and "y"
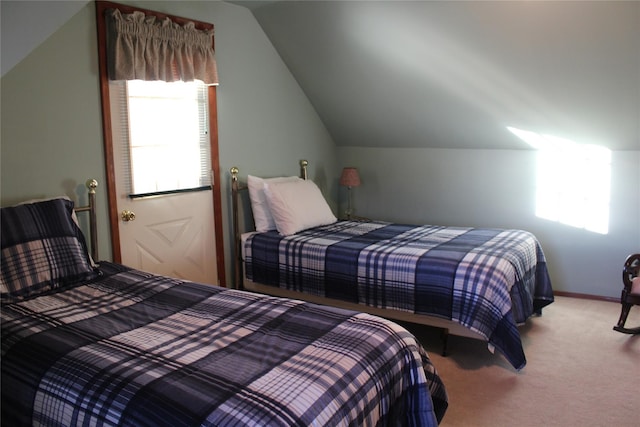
{"x": 488, "y": 280}
{"x": 134, "y": 349}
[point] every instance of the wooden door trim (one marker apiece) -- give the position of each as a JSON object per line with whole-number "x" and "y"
{"x": 217, "y": 193}
{"x": 107, "y": 135}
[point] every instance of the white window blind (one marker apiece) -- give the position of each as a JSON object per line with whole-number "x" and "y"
{"x": 165, "y": 133}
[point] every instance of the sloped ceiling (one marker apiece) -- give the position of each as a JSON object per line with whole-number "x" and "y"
{"x": 26, "y": 24}
{"x": 448, "y": 74}
{"x": 455, "y": 74}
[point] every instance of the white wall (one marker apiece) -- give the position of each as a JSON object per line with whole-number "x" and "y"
{"x": 496, "y": 188}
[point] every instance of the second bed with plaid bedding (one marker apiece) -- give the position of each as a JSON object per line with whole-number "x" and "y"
{"x": 488, "y": 280}
{"x": 131, "y": 348}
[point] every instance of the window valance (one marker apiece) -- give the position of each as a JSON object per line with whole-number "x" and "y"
{"x": 143, "y": 47}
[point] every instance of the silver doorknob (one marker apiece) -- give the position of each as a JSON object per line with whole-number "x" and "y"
{"x": 128, "y": 215}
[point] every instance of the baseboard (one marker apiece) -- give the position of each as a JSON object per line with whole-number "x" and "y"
{"x": 585, "y": 296}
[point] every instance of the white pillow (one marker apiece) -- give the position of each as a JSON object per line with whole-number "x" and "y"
{"x": 297, "y": 205}
{"x": 261, "y": 214}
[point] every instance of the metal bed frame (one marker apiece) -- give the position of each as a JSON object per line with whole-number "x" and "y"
{"x": 448, "y": 327}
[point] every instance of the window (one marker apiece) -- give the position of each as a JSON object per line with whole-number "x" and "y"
{"x": 165, "y": 133}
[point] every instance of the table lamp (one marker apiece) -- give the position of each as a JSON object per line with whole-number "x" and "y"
{"x": 349, "y": 178}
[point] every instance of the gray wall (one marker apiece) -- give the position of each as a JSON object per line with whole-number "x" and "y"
{"x": 496, "y": 188}
{"x": 51, "y": 119}
{"x": 51, "y": 116}
{"x": 51, "y": 141}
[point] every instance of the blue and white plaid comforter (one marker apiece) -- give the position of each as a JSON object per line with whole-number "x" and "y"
{"x": 488, "y": 280}
{"x": 134, "y": 349}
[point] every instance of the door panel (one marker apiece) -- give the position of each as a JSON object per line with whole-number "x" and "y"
{"x": 171, "y": 235}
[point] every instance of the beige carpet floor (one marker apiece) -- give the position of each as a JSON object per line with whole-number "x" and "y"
{"x": 579, "y": 371}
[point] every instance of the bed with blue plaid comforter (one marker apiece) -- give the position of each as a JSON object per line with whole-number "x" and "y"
{"x": 133, "y": 349}
{"x": 488, "y": 280}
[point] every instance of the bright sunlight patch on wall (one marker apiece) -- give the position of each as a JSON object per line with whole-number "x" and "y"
{"x": 573, "y": 182}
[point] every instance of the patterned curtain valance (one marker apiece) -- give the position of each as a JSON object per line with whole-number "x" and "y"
{"x": 142, "y": 47}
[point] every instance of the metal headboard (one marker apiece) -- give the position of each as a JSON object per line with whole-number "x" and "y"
{"x": 236, "y": 188}
{"x": 91, "y": 184}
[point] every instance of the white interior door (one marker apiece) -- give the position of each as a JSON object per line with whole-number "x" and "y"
{"x": 171, "y": 235}
{"x": 168, "y": 234}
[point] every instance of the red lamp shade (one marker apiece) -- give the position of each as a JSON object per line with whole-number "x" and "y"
{"x": 350, "y": 177}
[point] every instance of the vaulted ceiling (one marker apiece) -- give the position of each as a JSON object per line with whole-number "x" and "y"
{"x": 456, "y": 74}
{"x": 451, "y": 74}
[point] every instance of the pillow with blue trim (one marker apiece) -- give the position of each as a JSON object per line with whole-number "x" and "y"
{"x": 42, "y": 249}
